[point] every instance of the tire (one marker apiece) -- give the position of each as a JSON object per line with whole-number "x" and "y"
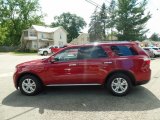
{"x": 115, "y": 85}
{"x": 154, "y": 56}
{"x": 30, "y": 85}
{"x": 45, "y": 53}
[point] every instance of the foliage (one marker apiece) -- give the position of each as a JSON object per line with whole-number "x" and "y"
{"x": 95, "y": 31}
{"x": 15, "y": 16}
{"x": 127, "y": 17}
{"x": 101, "y": 22}
{"x": 111, "y": 14}
{"x": 103, "y": 18}
{"x": 3, "y": 34}
{"x": 155, "y": 37}
{"x": 71, "y": 23}
{"x": 131, "y": 19}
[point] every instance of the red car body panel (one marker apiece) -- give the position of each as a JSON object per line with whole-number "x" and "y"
{"x": 89, "y": 70}
{"x": 55, "y": 50}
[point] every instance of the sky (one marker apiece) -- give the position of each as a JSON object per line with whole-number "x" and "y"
{"x": 84, "y": 9}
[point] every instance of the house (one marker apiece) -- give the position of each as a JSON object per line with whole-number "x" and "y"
{"x": 83, "y": 38}
{"x": 41, "y": 36}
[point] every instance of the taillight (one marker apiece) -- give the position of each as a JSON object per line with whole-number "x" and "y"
{"x": 147, "y": 61}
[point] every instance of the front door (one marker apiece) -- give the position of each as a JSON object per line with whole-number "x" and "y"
{"x": 65, "y": 69}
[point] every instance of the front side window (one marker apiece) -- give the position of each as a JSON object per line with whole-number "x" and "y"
{"x": 66, "y": 55}
{"x": 91, "y": 52}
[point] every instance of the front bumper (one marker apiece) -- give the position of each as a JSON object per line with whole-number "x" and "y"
{"x": 40, "y": 52}
{"x": 15, "y": 80}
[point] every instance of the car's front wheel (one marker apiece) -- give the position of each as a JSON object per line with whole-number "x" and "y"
{"x": 30, "y": 85}
{"x": 45, "y": 53}
{"x": 119, "y": 84}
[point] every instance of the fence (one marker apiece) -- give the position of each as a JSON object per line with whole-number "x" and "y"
{"x": 8, "y": 48}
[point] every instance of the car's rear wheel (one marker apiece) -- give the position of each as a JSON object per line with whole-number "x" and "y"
{"x": 45, "y": 53}
{"x": 119, "y": 84}
{"x": 30, "y": 85}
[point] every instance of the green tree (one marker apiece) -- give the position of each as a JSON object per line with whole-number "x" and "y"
{"x": 111, "y": 18}
{"x": 17, "y": 15}
{"x": 3, "y": 34}
{"x": 95, "y": 29}
{"x": 131, "y": 19}
{"x": 71, "y": 23}
{"x": 154, "y": 37}
{"x": 103, "y": 20}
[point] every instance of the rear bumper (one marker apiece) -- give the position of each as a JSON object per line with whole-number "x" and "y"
{"x": 142, "y": 82}
{"x": 144, "y": 77}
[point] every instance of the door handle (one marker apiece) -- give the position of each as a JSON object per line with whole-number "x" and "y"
{"x": 107, "y": 62}
{"x": 67, "y": 69}
{"x": 72, "y": 64}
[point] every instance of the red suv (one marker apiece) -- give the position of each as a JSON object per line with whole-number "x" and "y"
{"x": 116, "y": 65}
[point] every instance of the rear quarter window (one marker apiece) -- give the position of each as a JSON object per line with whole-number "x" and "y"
{"x": 124, "y": 50}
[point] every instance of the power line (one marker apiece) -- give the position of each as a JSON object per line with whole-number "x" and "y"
{"x": 93, "y": 3}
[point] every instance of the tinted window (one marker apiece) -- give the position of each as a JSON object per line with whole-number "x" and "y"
{"x": 123, "y": 50}
{"x": 91, "y": 52}
{"x": 146, "y": 48}
{"x": 155, "y": 48}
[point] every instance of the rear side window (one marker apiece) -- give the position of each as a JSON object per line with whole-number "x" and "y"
{"x": 123, "y": 50}
{"x": 90, "y": 52}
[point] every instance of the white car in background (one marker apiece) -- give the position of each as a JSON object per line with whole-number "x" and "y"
{"x": 47, "y": 50}
{"x": 155, "y": 50}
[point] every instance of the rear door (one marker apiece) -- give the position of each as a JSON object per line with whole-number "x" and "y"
{"x": 94, "y": 64}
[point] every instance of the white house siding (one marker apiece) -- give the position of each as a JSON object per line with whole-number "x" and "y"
{"x": 29, "y": 45}
{"x": 43, "y": 35}
{"x": 40, "y": 36}
{"x": 60, "y": 37}
{"x": 34, "y": 45}
{"x": 32, "y": 38}
{"x": 45, "y": 39}
{"x": 44, "y": 43}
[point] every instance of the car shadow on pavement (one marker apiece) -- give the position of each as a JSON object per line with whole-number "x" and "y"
{"x": 86, "y": 98}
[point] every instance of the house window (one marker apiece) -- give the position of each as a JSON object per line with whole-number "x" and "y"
{"x": 42, "y": 36}
{"x": 60, "y": 36}
{"x": 32, "y": 33}
{"x": 35, "y": 46}
{"x": 26, "y": 33}
{"x": 50, "y": 36}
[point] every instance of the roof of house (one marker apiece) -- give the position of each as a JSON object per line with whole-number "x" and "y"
{"x": 47, "y": 29}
